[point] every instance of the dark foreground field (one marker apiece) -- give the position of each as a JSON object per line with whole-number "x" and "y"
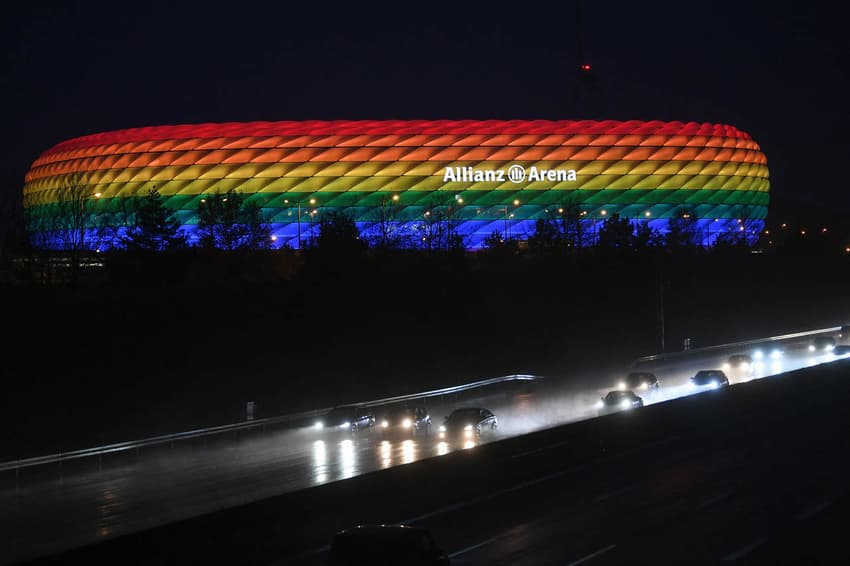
{"x": 147, "y": 353}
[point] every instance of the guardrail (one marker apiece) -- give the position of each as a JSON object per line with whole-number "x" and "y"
{"x": 165, "y": 438}
{"x": 692, "y": 351}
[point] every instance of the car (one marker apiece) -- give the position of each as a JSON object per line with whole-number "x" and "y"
{"x": 405, "y": 419}
{"x": 822, "y": 344}
{"x": 619, "y": 400}
{"x": 385, "y": 545}
{"x": 844, "y": 332}
{"x": 468, "y": 422}
{"x": 774, "y": 353}
{"x": 642, "y": 380}
{"x": 347, "y": 417}
{"x": 739, "y": 366}
{"x": 711, "y": 378}
{"x": 842, "y": 350}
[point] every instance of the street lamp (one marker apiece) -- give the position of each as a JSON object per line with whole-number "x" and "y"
{"x": 515, "y": 203}
{"x": 298, "y": 203}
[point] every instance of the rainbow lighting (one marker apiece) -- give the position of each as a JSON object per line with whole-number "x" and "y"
{"x": 484, "y": 176}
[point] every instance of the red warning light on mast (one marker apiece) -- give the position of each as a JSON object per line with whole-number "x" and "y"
{"x": 585, "y": 67}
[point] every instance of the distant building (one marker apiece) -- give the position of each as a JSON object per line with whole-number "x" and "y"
{"x": 479, "y": 176}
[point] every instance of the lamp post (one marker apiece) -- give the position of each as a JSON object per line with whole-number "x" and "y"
{"x": 507, "y": 233}
{"x": 298, "y": 204}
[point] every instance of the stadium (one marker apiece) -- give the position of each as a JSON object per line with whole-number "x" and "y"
{"x": 480, "y": 177}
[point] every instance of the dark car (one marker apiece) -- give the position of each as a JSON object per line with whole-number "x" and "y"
{"x": 406, "y": 420}
{"x": 347, "y": 417}
{"x": 739, "y": 366}
{"x": 619, "y": 400}
{"x": 385, "y": 545}
{"x": 468, "y": 423}
{"x": 822, "y": 344}
{"x": 712, "y": 378}
{"x": 642, "y": 380}
{"x": 842, "y": 350}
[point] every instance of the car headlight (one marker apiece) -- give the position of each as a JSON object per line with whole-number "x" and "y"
{"x": 625, "y": 404}
{"x": 776, "y": 354}
{"x": 725, "y": 366}
{"x": 713, "y": 384}
{"x": 406, "y": 423}
{"x": 319, "y": 424}
{"x": 829, "y": 347}
{"x": 758, "y": 354}
{"x": 599, "y": 404}
{"x": 442, "y": 428}
{"x": 644, "y": 385}
{"x": 385, "y": 424}
{"x": 468, "y": 427}
{"x": 745, "y": 365}
{"x": 811, "y": 348}
{"x": 346, "y": 424}
{"x": 467, "y": 433}
{"x": 621, "y": 385}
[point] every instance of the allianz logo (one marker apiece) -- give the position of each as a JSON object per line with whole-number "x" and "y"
{"x": 514, "y": 174}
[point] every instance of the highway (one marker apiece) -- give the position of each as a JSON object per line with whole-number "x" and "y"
{"x": 45, "y": 511}
{"x": 759, "y": 476}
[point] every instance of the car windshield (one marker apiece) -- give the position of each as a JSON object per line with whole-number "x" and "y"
{"x": 616, "y": 396}
{"x": 464, "y": 415}
{"x": 341, "y": 413}
{"x": 707, "y": 376}
{"x": 399, "y": 413}
{"x": 639, "y": 378}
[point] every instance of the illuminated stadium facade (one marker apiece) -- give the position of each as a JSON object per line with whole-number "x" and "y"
{"x": 483, "y": 177}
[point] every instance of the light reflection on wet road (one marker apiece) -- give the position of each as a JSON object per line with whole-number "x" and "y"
{"x": 85, "y": 504}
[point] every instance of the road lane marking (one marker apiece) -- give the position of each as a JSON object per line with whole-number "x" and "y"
{"x": 592, "y": 555}
{"x": 535, "y": 481}
{"x": 473, "y": 547}
{"x": 743, "y": 551}
{"x": 538, "y": 450}
{"x": 523, "y": 485}
{"x": 813, "y": 510}
{"x": 614, "y": 493}
{"x": 715, "y": 499}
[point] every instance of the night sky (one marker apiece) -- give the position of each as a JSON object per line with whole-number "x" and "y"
{"x": 776, "y": 70}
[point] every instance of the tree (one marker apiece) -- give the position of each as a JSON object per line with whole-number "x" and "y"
{"x": 338, "y": 234}
{"x": 71, "y": 216}
{"x": 227, "y": 221}
{"x": 496, "y": 244}
{"x": 571, "y": 220}
{"x": 547, "y": 235}
{"x": 682, "y": 231}
{"x": 646, "y": 237}
{"x": 386, "y": 232}
{"x": 438, "y": 228}
{"x": 153, "y": 226}
{"x": 616, "y": 232}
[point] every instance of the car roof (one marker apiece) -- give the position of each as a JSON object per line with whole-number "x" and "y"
{"x": 402, "y": 408}
{"x": 468, "y": 411}
{"x": 388, "y": 531}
